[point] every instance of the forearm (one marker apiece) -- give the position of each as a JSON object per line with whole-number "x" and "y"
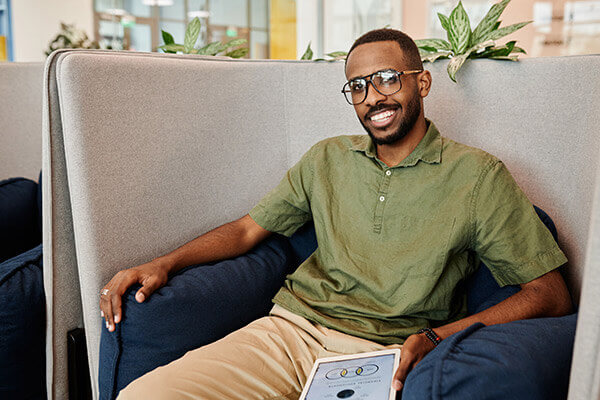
{"x": 226, "y": 241}
{"x": 550, "y": 299}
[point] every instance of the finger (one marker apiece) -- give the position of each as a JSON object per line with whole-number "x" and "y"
{"x": 402, "y": 372}
{"x": 115, "y": 300}
{"x": 107, "y": 308}
{"x": 116, "y": 295}
{"x": 149, "y": 286}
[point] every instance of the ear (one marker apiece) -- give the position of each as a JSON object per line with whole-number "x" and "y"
{"x": 424, "y": 82}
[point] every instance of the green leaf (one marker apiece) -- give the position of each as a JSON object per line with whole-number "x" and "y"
{"x": 480, "y": 49}
{"x": 191, "y": 35}
{"x": 431, "y": 57}
{"x": 506, "y": 58}
{"x": 427, "y": 49}
{"x": 167, "y": 37}
{"x": 489, "y": 23}
{"x": 337, "y": 54}
{"x": 237, "y": 53}
{"x": 437, "y": 44}
{"x": 444, "y": 21}
{"x": 460, "y": 29}
{"x": 455, "y": 64}
{"x": 519, "y": 50}
{"x": 171, "y": 48}
{"x": 507, "y": 30}
{"x": 234, "y": 43}
{"x": 498, "y": 51}
{"x": 308, "y": 53}
{"x": 319, "y": 59}
{"x": 211, "y": 49}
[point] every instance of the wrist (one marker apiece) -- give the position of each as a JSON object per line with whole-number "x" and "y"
{"x": 431, "y": 335}
{"x": 166, "y": 263}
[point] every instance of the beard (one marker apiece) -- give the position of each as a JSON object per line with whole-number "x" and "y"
{"x": 411, "y": 115}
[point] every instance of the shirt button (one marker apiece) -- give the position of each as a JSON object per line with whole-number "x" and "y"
{"x": 381, "y": 198}
{"x": 388, "y": 172}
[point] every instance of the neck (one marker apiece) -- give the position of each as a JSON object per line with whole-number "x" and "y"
{"x": 393, "y": 154}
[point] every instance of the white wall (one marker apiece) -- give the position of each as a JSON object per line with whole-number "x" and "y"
{"x": 307, "y": 27}
{"x": 36, "y": 22}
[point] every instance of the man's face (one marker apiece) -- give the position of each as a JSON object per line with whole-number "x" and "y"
{"x": 387, "y": 119}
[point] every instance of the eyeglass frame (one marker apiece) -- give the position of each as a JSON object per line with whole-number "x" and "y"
{"x": 370, "y": 80}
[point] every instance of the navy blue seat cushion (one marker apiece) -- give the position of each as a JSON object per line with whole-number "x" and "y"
{"x": 199, "y": 305}
{"x": 520, "y": 360}
{"x": 22, "y": 327}
{"x": 19, "y": 228}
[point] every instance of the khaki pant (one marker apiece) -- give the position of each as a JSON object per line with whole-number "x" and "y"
{"x": 270, "y": 358}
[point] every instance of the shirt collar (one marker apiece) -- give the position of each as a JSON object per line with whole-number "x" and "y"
{"x": 428, "y": 150}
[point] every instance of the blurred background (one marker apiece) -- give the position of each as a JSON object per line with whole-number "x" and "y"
{"x": 279, "y": 29}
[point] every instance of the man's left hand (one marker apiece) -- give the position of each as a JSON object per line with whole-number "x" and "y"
{"x": 413, "y": 350}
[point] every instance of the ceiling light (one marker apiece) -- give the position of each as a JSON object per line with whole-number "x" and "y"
{"x": 199, "y": 14}
{"x": 160, "y": 3}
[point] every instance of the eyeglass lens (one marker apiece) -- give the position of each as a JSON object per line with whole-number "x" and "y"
{"x": 385, "y": 82}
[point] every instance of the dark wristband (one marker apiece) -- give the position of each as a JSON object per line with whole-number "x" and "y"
{"x": 431, "y": 335}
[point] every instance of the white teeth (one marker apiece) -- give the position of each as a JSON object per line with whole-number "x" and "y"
{"x": 381, "y": 116}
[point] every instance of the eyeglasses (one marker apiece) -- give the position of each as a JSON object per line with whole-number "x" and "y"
{"x": 386, "y": 82}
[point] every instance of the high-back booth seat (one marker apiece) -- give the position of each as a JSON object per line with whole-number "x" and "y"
{"x": 143, "y": 152}
{"x": 22, "y": 302}
{"x": 21, "y": 119}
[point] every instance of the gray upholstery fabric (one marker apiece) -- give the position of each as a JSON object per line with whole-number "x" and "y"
{"x": 61, "y": 282}
{"x": 20, "y": 119}
{"x": 160, "y": 148}
{"x": 585, "y": 372}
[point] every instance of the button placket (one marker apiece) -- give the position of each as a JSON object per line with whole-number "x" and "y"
{"x": 381, "y": 200}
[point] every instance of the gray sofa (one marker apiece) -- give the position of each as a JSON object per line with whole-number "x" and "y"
{"x": 21, "y": 119}
{"x": 142, "y": 152}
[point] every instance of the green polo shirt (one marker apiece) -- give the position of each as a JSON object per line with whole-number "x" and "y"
{"x": 395, "y": 244}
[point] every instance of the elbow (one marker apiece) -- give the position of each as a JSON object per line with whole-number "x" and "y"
{"x": 558, "y": 303}
{"x": 551, "y": 295}
{"x": 565, "y": 306}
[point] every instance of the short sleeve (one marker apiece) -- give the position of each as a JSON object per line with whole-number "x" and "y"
{"x": 287, "y": 207}
{"x": 508, "y": 236}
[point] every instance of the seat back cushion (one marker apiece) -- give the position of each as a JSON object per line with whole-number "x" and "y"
{"x": 19, "y": 228}
{"x": 22, "y": 327}
{"x": 198, "y": 305}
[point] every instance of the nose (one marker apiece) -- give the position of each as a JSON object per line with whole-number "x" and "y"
{"x": 373, "y": 96}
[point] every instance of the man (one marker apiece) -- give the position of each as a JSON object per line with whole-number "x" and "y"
{"x": 398, "y": 215}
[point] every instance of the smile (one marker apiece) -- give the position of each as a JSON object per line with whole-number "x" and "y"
{"x": 382, "y": 118}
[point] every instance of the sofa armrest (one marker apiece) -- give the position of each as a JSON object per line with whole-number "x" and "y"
{"x": 528, "y": 359}
{"x": 199, "y": 305}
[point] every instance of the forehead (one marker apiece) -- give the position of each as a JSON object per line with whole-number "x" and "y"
{"x": 375, "y": 56}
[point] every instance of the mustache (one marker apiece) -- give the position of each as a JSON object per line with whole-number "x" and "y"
{"x": 379, "y": 108}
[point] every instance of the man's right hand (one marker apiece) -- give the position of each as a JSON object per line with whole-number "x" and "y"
{"x": 151, "y": 276}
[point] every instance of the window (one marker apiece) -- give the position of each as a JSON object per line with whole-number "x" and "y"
{"x": 344, "y": 21}
{"x": 137, "y": 24}
{"x": 6, "y": 50}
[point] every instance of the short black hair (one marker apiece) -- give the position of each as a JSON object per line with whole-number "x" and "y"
{"x": 407, "y": 45}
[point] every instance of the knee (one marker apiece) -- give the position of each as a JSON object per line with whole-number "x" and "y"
{"x": 148, "y": 386}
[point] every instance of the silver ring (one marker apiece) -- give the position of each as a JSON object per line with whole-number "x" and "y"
{"x": 104, "y": 292}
